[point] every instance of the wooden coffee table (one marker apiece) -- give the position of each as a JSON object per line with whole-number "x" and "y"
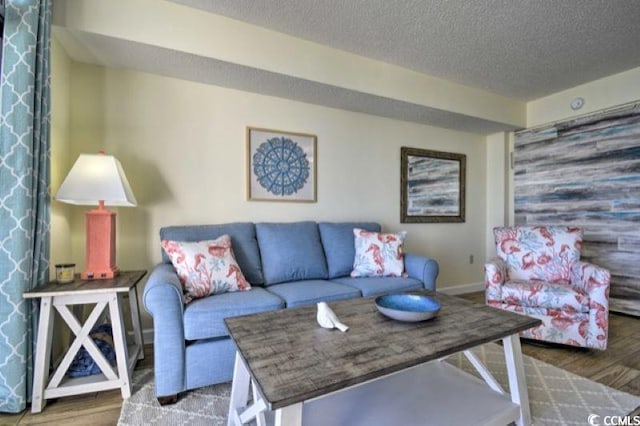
{"x": 379, "y": 372}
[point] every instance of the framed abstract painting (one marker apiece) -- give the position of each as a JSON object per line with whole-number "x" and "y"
{"x": 432, "y": 186}
{"x": 281, "y": 166}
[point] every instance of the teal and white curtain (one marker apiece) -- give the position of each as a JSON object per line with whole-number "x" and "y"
{"x": 24, "y": 189}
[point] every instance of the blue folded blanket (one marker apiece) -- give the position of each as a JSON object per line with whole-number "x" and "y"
{"x": 83, "y": 364}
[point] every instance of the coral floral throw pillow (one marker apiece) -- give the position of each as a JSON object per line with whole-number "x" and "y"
{"x": 377, "y": 254}
{"x": 206, "y": 267}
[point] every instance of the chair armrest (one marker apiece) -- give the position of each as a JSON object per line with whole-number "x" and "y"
{"x": 495, "y": 275}
{"x": 593, "y": 280}
{"x": 422, "y": 268}
{"x": 162, "y": 298}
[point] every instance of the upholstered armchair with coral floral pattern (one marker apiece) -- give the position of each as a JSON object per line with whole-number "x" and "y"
{"x": 538, "y": 273}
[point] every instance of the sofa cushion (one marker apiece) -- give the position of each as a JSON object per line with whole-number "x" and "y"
{"x": 206, "y": 267}
{"x": 243, "y": 240}
{"x": 308, "y": 292}
{"x": 338, "y": 242}
{"x": 540, "y": 294}
{"x": 204, "y": 318}
{"x": 291, "y": 252}
{"x": 377, "y": 254}
{"x": 372, "y": 286}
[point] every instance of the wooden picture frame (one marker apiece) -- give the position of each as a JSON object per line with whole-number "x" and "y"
{"x": 281, "y": 166}
{"x": 432, "y": 186}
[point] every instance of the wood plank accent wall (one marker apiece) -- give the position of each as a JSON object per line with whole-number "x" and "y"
{"x": 588, "y": 174}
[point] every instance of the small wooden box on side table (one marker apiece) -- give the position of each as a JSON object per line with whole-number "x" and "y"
{"x": 102, "y": 293}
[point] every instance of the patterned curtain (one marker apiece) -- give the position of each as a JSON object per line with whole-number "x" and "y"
{"x": 24, "y": 189}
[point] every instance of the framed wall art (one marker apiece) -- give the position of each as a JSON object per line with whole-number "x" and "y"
{"x": 432, "y": 186}
{"x": 281, "y": 166}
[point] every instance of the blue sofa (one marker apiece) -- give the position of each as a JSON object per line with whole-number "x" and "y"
{"x": 288, "y": 265}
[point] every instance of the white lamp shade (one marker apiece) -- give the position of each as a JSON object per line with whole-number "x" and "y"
{"x": 94, "y": 178}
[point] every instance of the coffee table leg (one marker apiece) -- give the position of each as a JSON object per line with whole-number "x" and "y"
{"x": 239, "y": 391}
{"x": 517, "y": 378}
{"x": 289, "y": 416}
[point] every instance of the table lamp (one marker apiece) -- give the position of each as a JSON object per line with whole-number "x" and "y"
{"x": 98, "y": 179}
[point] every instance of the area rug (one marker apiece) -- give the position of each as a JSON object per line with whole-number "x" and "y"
{"x": 556, "y": 396}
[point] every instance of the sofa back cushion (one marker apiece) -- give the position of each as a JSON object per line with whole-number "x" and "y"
{"x": 243, "y": 241}
{"x": 291, "y": 252}
{"x": 339, "y": 245}
{"x": 539, "y": 253}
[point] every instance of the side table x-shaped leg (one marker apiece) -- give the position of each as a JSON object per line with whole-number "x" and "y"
{"x": 110, "y": 378}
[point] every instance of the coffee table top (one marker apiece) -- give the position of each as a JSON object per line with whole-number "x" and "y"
{"x": 292, "y": 359}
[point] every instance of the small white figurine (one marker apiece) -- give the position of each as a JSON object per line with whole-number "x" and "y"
{"x": 328, "y": 319}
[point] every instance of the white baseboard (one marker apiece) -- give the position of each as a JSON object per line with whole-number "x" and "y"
{"x": 462, "y": 289}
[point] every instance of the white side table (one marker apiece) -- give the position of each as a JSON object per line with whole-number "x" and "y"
{"x": 104, "y": 294}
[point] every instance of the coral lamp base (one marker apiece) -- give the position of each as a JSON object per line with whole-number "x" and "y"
{"x": 101, "y": 245}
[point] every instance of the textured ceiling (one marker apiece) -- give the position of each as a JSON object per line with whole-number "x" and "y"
{"x": 523, "y": 49}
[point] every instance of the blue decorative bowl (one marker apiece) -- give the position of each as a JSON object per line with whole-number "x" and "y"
{"x": 408, "y": 307}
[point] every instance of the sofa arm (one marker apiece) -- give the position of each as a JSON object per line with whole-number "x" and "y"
{"x": 422, "y": 268}
{"x": 162, "y": 298}
{"x": 595, "y": 281}
{"x": 495, "y": 275}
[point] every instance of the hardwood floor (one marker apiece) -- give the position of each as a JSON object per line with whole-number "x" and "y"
{"x": 617, "y": 367}
{"x": 95, "y": 409}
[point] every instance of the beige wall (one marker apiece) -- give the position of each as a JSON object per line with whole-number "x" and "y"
{"x": 497, "y": 187}
{"x": 60, "y": 156}
{"x": 60, "y": 247}
{"x": 185, "y": 29}
{"x": 607, "y": 92}
{"x": 182, "y": 145}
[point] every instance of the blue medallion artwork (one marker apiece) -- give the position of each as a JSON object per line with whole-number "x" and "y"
{"x": 281, "y": 166}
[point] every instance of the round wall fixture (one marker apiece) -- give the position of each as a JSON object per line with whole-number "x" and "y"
{"x": 577, "y": 103}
